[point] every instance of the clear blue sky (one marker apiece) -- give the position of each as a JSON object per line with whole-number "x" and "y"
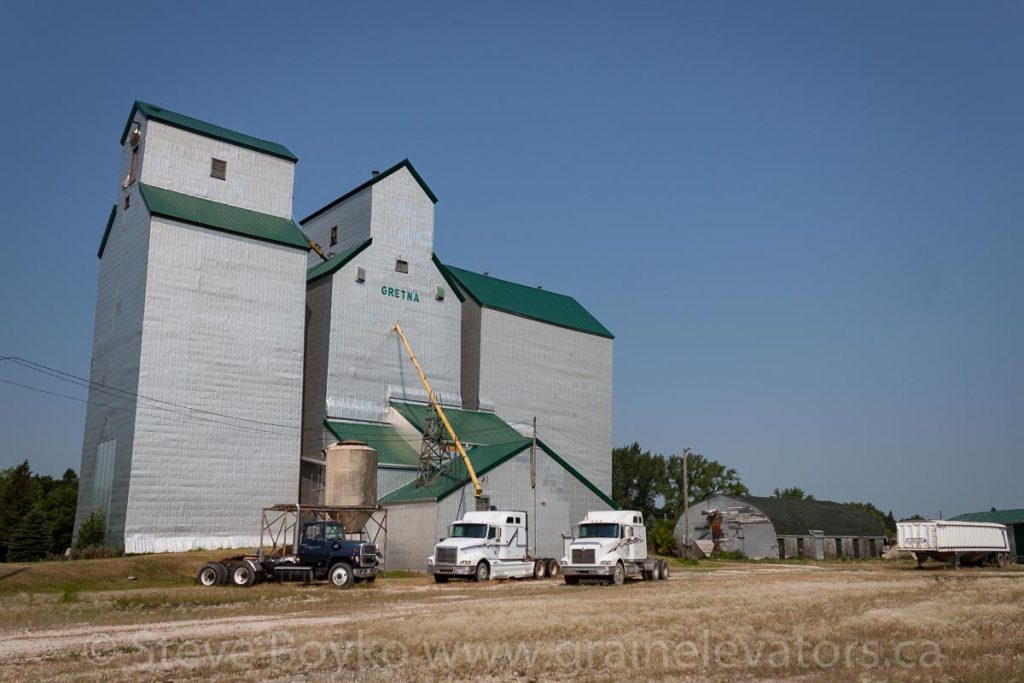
{"x": 803, "y": 221}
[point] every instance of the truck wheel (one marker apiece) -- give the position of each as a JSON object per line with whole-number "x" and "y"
{"x": 664, "y": 570}
{"x": 340, "y": 575}
{"x": 242, "y": 575}
{"x": 554, "y": 569}
{"x": 483, "y": 572}
{"x": 209, "y": 574}
{"x": 572, "y": 580}
{"x": 540, "y": 568}
{"x": 440, "y": 579}
{"x": 619, "y": 574}
{"x": 656, "y": 571}
{"x": 1000, "y": 560}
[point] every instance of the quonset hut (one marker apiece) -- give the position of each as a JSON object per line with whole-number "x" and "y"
{"x": 780, "y": 527}
{"x": 228, "y": 355}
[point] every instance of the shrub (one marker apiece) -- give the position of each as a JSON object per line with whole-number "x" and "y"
{"x": 93, "y": 530}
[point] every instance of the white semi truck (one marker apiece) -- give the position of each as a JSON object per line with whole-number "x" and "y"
{"x": 611, "y": 545}
{"x": 489, "y": 545}
{"x": 956, "y": 542}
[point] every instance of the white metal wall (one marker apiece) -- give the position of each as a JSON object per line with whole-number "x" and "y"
{"x": 367, "y": 364}
{"x": 352, "y": 218}
{"x": 179, "y": 160}
{"x": 116, "y": 349}
{"x": 563, "y": 377}
{"x": 411, "y": 535}
{"x": 200, "y": 479}
{"x": 317, "y": 345}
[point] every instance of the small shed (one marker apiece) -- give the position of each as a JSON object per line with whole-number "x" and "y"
{"x": 1014, "y": 521}
{"x": 780, "y": 527}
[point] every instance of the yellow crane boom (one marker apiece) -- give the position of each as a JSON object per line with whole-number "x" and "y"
{"x": 440, "y": 413}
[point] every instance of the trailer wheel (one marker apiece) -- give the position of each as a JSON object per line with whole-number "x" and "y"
{"x": 619, "y": 574}
{"x": 209, "y": 574}
{"x": 664, "y": 570}
{"x": 554, "y": 569}
{"x": 1000, "y": 560}
{"x": 483, "y": 572}
{"x": 440, "y": 579}
{"x": 540, "y": 568}
{"x": 341, "y": 575}
{"x": 572, "y": 580}
{"x": 242, "y": 575}
{"x": 656, "y": 571}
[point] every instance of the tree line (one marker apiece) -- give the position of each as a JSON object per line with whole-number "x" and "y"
{"x": 37, "y": 515}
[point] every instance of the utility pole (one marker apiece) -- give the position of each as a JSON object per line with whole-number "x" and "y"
{"x": 686, "y": 501}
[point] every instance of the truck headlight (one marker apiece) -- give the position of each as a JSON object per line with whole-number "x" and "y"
{"x": 430, "y": 560}
{"x": 606, "y": 562}
{"x": 466, "y": 562}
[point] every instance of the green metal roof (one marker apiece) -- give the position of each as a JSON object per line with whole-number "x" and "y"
{"x": 325, "y": 268}
{"x": 993, "y": 516}
{"x": 500, "y": 443}
{"x": 106, "y": 231}
{"x": 792, "y": 517}
{"x": 209, "y": 214}
{"x": 391, "y": 448}
{"x": 529, "y": 302}
{"x": 207, "y": 129}
{"x": 472, "y": 427}
{"x": 404, "y": 163}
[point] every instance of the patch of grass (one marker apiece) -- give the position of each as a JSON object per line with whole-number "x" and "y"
{"x": 69, "y": 592}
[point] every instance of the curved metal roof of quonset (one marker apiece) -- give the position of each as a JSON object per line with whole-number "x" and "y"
{"x": 209, "y": 130}
{"x": 797, "y": 517}
{"x": 528, "y": 302}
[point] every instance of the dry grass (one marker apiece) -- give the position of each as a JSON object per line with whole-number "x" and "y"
{"x": 868, "y": 621}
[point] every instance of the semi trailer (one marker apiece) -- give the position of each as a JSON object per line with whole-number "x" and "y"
{"x": 967, "y": 543}
{"x": 320, "y": 549}
{"x": 611, "y": 546}
{"x": 487, "y": 545}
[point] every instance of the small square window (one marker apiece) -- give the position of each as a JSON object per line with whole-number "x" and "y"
{"x": 334, "y": 235}
{"x": 219, "y": 169}
{"x": 402, "y": 266}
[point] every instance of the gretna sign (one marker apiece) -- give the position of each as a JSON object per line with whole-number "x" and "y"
{"x": 404, "y": 294}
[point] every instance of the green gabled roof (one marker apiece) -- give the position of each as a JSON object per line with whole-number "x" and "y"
{"x": 207, "y": 129}
{"x": 454, "y": 477}
{"x": 471, "y": 426}
{"x": 502, "y": 442}
{"x": 529, "y": 302}
{"x": 106, "y": 231}
{"x": 325, "y": 268}
{"x": 210, "y": 214}
{"x": 391, "y": 448}
{"x": 993, "y": 517}
{"x": 404, "y": 163}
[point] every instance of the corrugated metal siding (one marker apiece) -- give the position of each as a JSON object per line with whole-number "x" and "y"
{"x": 411, "y": 535}
{"x": 237, "y": 352}
{"x": 117, "y": 342}
{"x": 368, "y": 365}
{"x": 471, "y": 355}
{"x": 563, "y": 377}
{"x": 352, "y": 217}
{"x": 392, "y": 478}
{"x": 317, "y": 346}
{"x": 180, "y": 160}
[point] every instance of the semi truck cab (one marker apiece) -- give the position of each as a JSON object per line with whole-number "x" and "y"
{"x": 485, "y": 545}
{"x": 324, "y": 547}
{"x": 611, "y": 545}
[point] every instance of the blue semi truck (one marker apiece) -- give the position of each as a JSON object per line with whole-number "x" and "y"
{"x": 321, "y": 549}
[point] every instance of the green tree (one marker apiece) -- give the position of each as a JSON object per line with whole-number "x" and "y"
{"x": 887, "y": 522}
{"x": 638, "y": 478}
{"x": 31, "y": 540}
{"x": 93, "y": 531}
{"x": 19, "y": 493}
{"x": 706, "y": 478}
{"x": 60, "y": 499}
{"x": 792, "y": 493}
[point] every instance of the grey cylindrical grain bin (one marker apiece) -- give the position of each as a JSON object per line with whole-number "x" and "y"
{"x": 351, "y": 475}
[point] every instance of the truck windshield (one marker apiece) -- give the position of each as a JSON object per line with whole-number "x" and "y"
{"x": 599, "y": 530}
{"x": 469, "y": 531}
